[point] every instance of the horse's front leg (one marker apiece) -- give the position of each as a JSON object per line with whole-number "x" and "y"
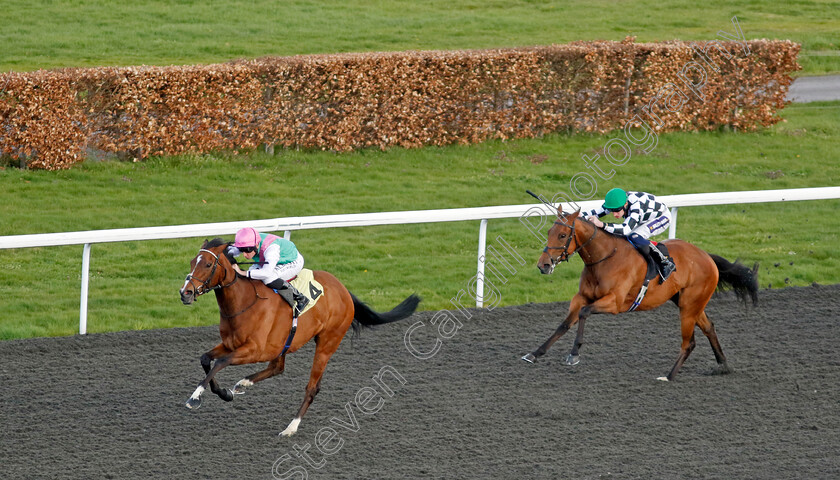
{"x": 578, "y": 313}
{"x": 243, "y": 354}
{"x": 602, "y": 305}
{"x": 571, "y": 318}
{"x": 574, "y": 356}
{"x": 221, "y": 362}
{"x": 206, "y": 363}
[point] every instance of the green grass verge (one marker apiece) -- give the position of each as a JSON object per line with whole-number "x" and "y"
{"x": 47, "y": 34}
{"x": 134, "y": 285}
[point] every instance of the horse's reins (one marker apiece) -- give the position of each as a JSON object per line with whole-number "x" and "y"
{"x": 565, "y": 254}
{"x": 257, "y": 297}
{"x": 587, "y": 243}
{"x": 205, "y": 287}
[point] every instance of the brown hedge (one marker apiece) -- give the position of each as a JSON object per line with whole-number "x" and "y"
{"x": 53, "y": 119}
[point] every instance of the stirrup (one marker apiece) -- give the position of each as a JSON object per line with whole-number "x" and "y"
{"x": 666, "y": 269}
{"x": 300, "y": 305}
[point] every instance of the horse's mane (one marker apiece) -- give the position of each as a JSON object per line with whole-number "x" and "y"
{"x": 566, "y": 215}
{"x": 216, "y": 242}
{"x": 602, "y": 231}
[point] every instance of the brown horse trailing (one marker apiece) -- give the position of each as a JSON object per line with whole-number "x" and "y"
{"x": 613, "y": 275}
{"x": 256, "y": 324}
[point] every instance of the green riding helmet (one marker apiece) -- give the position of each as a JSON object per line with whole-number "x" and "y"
{"x": 616, "y": 198}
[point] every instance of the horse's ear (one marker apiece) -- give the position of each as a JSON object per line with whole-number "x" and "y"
{"x": 571, "y": 218}
{"x": 563, "y": 218}
{"x": 205, "y": 243}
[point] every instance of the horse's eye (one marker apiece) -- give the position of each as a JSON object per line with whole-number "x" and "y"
{"x": 562, "y": 235}
{"x": 208, "y": 264}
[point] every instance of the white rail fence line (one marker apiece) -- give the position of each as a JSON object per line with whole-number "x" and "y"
{"x": 288, "y": 224}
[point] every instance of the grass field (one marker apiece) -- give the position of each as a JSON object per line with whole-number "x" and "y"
{"x": 134, "y": 284}
{"x": 47, "y": 34}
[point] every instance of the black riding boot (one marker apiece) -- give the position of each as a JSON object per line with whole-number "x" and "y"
{"x": 666, "y": 266}
{"x": 298, "y": 301}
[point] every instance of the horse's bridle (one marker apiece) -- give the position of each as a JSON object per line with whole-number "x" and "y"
{"x": 205, "y": 287}
{"x": 565, "y": 254}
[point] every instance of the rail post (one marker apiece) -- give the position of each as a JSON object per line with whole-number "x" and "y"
{"x": 84, "y": 299}
{"x": 672, "y": 230}
{"x": 479, "y": 278}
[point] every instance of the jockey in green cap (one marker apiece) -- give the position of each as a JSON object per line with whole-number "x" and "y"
{"x": 643, "y": 216}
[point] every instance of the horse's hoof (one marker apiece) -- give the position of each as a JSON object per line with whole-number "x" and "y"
{"x": 193, "y": 403}
{"x": 291, "y": 429}
{"x": 571, "y": 359}
{"x": 226, "y": 395}
{"x": 663, "y": 379}
{"x": 530, "y": 358}
{"x": 241, "y": 385}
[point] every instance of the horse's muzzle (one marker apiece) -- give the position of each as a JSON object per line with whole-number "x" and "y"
{"x": 545, "y": 264}
{"x": 187, "y": 296}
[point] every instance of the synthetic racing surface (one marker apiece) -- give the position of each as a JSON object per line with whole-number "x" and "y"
{"x": 112, "y": 405}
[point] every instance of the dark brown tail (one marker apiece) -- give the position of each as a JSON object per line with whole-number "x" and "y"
{"x": 367, "y": 317}
{"x": 740, "y": 278}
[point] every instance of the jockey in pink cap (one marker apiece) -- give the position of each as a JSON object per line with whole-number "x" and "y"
{"x": 279, "y": 262}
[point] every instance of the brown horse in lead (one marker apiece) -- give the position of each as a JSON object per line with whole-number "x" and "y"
{"x": 256, "y": 324}
{"x": 613, "y": 275}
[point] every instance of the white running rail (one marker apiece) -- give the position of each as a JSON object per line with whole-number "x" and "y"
{"x": 287, "y": 224}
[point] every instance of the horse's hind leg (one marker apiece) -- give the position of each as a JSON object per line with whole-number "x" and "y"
{"x": 275, "y": 367}
{"x": 687, "y": 322}
{"x": 323, "y": 351}
{"x": 708, "y": 329}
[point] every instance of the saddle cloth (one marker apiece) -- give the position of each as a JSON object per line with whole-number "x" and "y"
{"x": 306, "y": 284}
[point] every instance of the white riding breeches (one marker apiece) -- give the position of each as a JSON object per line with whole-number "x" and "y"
{"x": 655, "y": 226}
{"x": 287, "y": 271}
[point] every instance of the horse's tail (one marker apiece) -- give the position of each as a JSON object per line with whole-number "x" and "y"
{"x": 367, "y": 317}
{"x": 740, "y": 278}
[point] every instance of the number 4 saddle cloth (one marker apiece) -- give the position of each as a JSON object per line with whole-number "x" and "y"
{"x": 306, "y": 284}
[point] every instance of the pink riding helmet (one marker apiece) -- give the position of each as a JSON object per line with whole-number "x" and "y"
{"x": 246, "y": 237}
